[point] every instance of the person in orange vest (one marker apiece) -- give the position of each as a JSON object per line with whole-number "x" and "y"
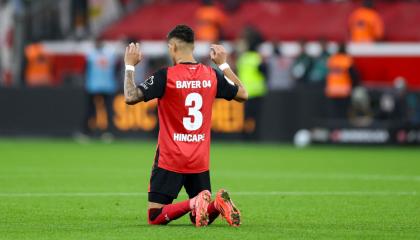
{"x": 210, "y": 21}
{"x": 341, "y": 79}
{"x": 365, "y": 24}
{"x": 38, "y": 68}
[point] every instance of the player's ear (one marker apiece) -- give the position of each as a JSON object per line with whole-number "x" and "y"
{"x": 171, "y": 47}
{"x": 175, "y": 46}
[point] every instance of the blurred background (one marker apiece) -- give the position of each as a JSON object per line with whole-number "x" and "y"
{"x": 321, "y": 71}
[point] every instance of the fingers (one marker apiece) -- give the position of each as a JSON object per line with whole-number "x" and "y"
{"x": 133, "y": 48}
{"x": 215, "y": 46}
{"x": 138, "y": 51}
{"x": 212, "y": 53}
{"x": 133, "y": 54}
{"x": 218, "y": 47}
{"x": 140, "y": 56}
{"x": 217, "y": 50}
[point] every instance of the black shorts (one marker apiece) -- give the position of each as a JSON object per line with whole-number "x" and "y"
{"x": 165, "y": 185}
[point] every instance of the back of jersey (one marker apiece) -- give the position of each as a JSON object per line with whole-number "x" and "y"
{"x": 185, "y": 118}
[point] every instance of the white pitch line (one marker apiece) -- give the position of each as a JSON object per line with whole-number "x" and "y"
{"x": 273, "y": 193}
{"x": 351, "y": 193}
{"x": 74, "y": 194}
{"x": 326, "y": 176}
{"x": 238, "y": 174}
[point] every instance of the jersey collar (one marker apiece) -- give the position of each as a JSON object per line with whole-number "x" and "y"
{"x": 189, "y": 63}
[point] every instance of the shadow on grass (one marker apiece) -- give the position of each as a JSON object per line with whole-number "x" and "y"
{"x": 180, "y": 225}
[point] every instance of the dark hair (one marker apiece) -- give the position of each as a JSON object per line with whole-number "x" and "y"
{"x": 183, "y": 33}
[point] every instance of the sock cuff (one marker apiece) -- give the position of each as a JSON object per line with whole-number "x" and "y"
{"x": 153, "y": 213}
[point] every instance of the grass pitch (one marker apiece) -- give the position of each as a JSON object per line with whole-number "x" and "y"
{"x": 58, "y": 189}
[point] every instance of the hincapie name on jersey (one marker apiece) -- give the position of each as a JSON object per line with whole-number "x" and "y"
{"x": 181, "y": 137}
{"x": 193, "y": 84}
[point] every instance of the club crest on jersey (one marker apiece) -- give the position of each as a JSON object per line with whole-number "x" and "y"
{"x": 148, "y": 82}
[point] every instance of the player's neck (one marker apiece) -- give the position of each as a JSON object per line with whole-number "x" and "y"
{"x": 184, "y": 59}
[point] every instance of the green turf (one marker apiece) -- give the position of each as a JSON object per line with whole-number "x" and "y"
{"x": 283, "y": 192}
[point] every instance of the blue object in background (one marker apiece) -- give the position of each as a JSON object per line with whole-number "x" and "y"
{"x": 101, "y": 70}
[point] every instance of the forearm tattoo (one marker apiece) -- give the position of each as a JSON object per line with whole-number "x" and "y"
{"x": 131, "y": 92}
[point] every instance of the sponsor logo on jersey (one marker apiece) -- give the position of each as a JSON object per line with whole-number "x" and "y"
{"x": 193, "y": 84}
{"x": 148, "y": 82}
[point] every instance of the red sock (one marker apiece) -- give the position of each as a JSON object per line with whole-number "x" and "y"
{"x": 213, "y": 212}
{"x": 168, "y": 212}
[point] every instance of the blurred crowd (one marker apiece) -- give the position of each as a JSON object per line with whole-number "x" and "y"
{"x": 331, "y": 70}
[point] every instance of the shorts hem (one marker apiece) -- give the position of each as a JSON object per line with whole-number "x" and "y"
{"x": 182, "y": 171}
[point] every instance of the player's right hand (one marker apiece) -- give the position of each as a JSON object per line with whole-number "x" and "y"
{"x": 218, "y": 54}
{"x": 133, "y": 54}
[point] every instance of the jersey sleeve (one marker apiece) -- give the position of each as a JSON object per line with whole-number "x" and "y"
{"x": 154, "y": 86}
{"x": 225, "y": 88}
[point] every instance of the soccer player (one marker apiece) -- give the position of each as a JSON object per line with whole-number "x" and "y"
{"x": 185, "y": 93}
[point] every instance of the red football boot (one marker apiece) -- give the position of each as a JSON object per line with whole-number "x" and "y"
{"x": 200, "y": 209}
{"x": 227, "y": 209}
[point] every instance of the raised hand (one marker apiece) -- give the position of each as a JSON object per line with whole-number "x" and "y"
{"x": 218, "y": 54}
{"x": 133, "y": 54}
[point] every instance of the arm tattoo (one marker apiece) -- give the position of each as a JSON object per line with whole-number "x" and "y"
{"x": 131, "y": 92}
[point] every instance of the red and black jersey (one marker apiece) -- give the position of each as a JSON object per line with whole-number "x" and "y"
{"x": 185, "y": 95}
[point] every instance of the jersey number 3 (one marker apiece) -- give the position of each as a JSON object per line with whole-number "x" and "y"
{"x": 194, "y": 102}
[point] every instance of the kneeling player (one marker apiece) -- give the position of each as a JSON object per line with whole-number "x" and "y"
{"x": 185, "y": 93}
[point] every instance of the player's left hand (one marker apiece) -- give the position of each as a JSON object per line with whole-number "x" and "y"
{"x": 218, "y": 54}
{"x": 133, "y": 54}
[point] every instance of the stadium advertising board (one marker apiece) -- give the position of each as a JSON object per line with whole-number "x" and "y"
{"x": 60, "y": 111}
{"x": 366, "y": 136}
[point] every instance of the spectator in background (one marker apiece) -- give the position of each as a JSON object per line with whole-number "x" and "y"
{"x": 341, "y": 79}
{"x": 210, "y": 21}
{"x": 360, "y": 111}
{"x": 102, "y": 13}
{"x": 38, "y": 70}
{"x": 366, "y": 24}
{"x": 302, "y": 64}
{"x": 399, "y": 105}
{"x": 101, "y": 86}
{"x": 278, "y": 70}
{"x": 318, "y": 72}
{"x": 407, "y": 105}
{"x": 392, "y": 103}
{"x": 252, "y": 71}
{"x": 413, "y": 110}
{"x": 7, "y": 14}
{"x": 80, "y": 18}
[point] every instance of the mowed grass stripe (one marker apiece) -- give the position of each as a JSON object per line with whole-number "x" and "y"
{"x": 238, "y": 174}
{"x": 273, "y": 193}
{"x": 320, "y": 192}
